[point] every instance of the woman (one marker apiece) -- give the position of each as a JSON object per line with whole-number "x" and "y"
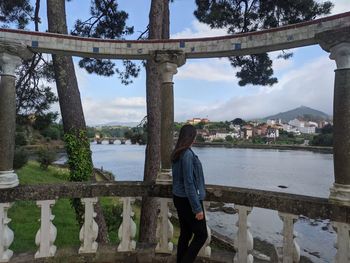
{"x": 188, "y": 196}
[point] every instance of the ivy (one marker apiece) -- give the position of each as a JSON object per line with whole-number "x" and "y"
{"x": 79, "y": 155}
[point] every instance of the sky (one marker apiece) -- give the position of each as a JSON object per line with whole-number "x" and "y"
{"x": 204, "y": 88}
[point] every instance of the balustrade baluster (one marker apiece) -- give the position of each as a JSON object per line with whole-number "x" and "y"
{"x": 206, "y": 249}
{"x": 290, "y": 249}
{"x": 89, "y": 230}
{"x": 165, "y": 229}
{"x": 343, "y": 242}
{"x": 244, "y": 240}
{"x": 6, "y": 234}
{"x": 127, "y": 230}
{"x": 46, "y": 235}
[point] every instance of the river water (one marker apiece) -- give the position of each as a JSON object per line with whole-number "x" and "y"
{"x": 302, "y": 172}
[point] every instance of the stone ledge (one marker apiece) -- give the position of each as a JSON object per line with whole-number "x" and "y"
{"x": 312, "y": 207}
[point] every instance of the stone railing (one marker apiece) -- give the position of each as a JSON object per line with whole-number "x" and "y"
{"x": 289, "y": 207}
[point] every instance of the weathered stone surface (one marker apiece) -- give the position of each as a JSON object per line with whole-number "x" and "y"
{"x": 313, "y": 207}
{"x": 331, "y": 38}
{"x": 342, "y": 126}
{"x": 286, "y": 37}
{"x": 16, "y": 49}
{"x": 7, "y": 121}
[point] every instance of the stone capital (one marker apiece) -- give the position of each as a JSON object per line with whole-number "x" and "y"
{"x": 167, "y": 71}
{"x": 11, "y": 55}
{"x": 341, "y": 54}
{"x": 9, "y": 63}
{"x": 337, "y": 42}
{"x": 169, "y": 61}
{"x": 331, "y": 38}
{"x": 171, "y": 56}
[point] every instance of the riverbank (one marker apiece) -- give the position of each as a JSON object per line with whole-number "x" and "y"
{"x": 319, "y": 149}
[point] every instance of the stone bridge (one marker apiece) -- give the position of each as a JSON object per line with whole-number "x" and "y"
{"x": 111, "y": 140}
{"x": 331, "y": 33}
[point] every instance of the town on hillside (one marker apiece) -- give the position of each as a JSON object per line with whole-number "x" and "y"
{"x": 301, "y": 130}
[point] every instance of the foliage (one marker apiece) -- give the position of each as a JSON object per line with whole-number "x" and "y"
{"x": 218, "y": 140}
{"x": 238, "y": 121}
{"x": 327, "y": 129}
{"x": 112, "y": 214}
{"x": 108, "y": 22}
{"x": 20, "y": 158}
{"x": 53, "y": 131}
{"x": 200, "y": 138}
{"x": 19, "y": 12}
{"x": 46, "y": 157}
{"x": 43, "y": 121}
{"x": 78, "y": 150}
{"x": 229, "y": 138}
{"x": 325, "y": 138}
{"x": 20, "y": 139}
{"x": 253, "y": 15}
{"x": 220, "y": 125}
{"x": 33, "y": 95}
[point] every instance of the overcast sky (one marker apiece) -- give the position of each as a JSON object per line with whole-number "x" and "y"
{"x": 205, "y": 87}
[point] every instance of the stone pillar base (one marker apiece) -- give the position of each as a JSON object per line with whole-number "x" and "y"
{"x": 164, "y": 177}
{"x": 340, "y": 194}
{"x": 8, "y": 179}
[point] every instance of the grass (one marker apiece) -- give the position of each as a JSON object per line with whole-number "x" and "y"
{"x": 25, "y": 215}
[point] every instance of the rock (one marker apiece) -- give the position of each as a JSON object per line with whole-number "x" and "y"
{"x": 325, "y": 228}
{"x": 229, "y": 210}
{"x": 216, "y": 205}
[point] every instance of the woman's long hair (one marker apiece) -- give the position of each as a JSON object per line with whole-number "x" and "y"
{"x": 186, "y": 137}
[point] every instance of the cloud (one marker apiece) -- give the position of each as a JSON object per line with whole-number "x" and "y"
{"x": 341, "y": 6}
{"x": 198, "y": 30}
{"x": 100, "y": 111}
{"x": 214, "y": 69}
{"x": 310, "y": 85}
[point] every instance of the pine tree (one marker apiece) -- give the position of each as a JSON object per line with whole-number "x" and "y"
{"x": 240, "y": 16}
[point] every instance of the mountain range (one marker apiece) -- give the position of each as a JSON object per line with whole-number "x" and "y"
{"x": 300, "y": 112}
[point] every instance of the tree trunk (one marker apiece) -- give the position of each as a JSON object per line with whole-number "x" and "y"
{"x": 72, "y": 111}
{"x": 158, "y": 29}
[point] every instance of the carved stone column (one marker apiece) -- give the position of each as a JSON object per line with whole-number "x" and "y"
{"x": 10, "y": 58}
{"x": 168, "y": 61}
{"x": 337, "y": 42}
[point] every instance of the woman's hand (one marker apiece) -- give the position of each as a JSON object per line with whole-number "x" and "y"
{"x": 200, "y": 216}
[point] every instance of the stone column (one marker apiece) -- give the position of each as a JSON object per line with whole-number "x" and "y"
{"x": 168, "y": 61}
{"x": 337, "y": 42}
{"x": 8, "y": 64}
{"x": 10, "y": 57}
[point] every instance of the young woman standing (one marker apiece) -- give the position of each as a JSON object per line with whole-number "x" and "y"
{"x": 188, "y": 196}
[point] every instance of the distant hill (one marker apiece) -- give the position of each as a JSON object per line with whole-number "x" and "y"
{"x": 300, "y": 112}
{"x": 119, "y": 123}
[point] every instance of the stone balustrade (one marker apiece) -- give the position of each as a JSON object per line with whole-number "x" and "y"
{"x": 289, "y": 206}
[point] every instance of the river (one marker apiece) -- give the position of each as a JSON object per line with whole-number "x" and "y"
{"x": 302, "y": 172}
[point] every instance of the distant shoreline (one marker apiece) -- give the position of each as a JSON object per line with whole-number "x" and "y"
{"x": 320, "y": 149}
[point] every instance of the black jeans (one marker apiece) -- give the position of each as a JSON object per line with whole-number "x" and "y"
{"x": 189, "y": 225}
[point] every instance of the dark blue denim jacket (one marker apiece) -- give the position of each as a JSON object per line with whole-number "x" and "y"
{"x": 188, "y": 179}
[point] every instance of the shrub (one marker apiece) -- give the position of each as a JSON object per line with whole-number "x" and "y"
{"x": 20, "y": 158}
{"x": 112, "y": 215}
{"x": 229, "y": 138}
{"x": 46, "y": 157}
{"x": 218, "y": 140}
{"x": 51, "y": 132}
{"x": 20, "y": 139}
